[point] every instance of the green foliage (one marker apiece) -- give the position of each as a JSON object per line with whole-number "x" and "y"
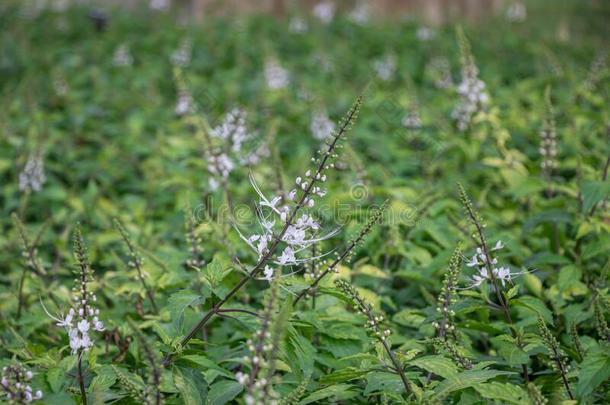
{"x": 385, "y": 311}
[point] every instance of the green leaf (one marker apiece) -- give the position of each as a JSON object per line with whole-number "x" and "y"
{"x": 224, "y": 391}
{"x": 204, "y": 363}
{"x": 190, "y": 384}
{"x": 438, "y": 365}
{"x": 594, "y": 370}
{"x": 338, "y": 392}
{"x": 56, "y": 377}
{"x": 465, "y": 379}
{"x": 593, "y": 192}
{"x": 383, "y": 381}
{"x": 503, "y": 392}
{"x": 535, "y": 305}
{"x": 343, "y": 375}
{"x": 177, "y": 303}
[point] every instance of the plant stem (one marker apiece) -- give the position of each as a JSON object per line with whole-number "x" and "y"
{"x": 81, "y": 380}
{"x": 20, "y": 297}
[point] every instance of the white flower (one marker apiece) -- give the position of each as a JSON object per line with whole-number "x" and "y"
{"x": 472, "y": 97}
{"x": 412, "y": 120}
{"x": 361, "y": 14}
{"x": 275, "y": 75}
{"x": 425, "y": 33}
{"x": 159, "y": 5}
{"x": 182, "y": 56}
{"x": 184, "y": 104}
{"x": 324, "y": 11}
{"x": 516, "y": 12}
{"x": 98, "y": 325}
{"x": 321, "y": 126}
{"x": 298, "y": 25}
{"x": 473, "y": 262}
{"x": 268, "y": 272}
{"x": 287, "y": 257}
{"x": 241, "y": 378}
{"x": 499, "y": 245}
{"x": 385, "y": 67}
{"x": 122, "y": 57}
{"x": 33, "y": 176}
{"x": 83, "y": 326}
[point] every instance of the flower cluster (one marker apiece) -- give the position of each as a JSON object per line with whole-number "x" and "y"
{"x": 535, "y": 395}
{"x": 558, "y": 357}
{"x": 361, "y": 13}
{"x": 482, "y": 263}
{"x": 448, "y": 296}
{"x": 596, "y": 70}
{"x": 300, "y": 233}
{"x": 516, "y": 12}
{"x": 298, "y": 25}
{"x": 182, "y": 56}
{"x": 601, "y": 325}
{"x": 374, "y": 323}
{"x": 122, "y": 57}
{"x": 195, "y": 261}
{"x": 548, "y": 140}
{"x": 385, "y": 67}
{"x": 321, "y": 126}
{"x": 263, "y": 349}
{"x": 275, "y": 75}
{"x": 232, "y": 133}
{"x": 15, "y": 385}
{"x": 184, "y": 103}
{"x": 454, "y": 352}
{"x": 424, "y": 33}
{"x": 324, "y": 11}
{"x": 83, "y": 316}
{"x": 30, "y": 250}
{"x": 136, "y": 262}
{"x": 473, "y": 97}
{"x": 412, "y": 120}
{"x": 159, "y": 5}
{"x": 32, "y": 177}
{"x": 294, "y": 229}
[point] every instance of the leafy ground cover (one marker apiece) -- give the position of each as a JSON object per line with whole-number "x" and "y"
{"x": 305, "y": 211}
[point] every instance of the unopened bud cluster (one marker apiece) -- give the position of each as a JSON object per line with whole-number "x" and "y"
{"x": 548, "y": 141}
{"x": 374, "y": 322}
{"x": 15, "y": 385}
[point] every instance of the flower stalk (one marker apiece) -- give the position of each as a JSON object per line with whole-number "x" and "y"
{"x": 308, "y": 189}
{"x": 374, "y": 323}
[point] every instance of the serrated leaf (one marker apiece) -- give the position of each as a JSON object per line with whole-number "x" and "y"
{"x": 343, "y": 375}
{"x": 594, "y": 370}
{"x": 380, "y": 381}
{"x": 438, "y": 365}
{"x": 337, "y": 392}
{"x": 503, "y": 392}
{"x": 191, "y": 386}
{"x": 224, "y": 391}
{"x": 466, "y": 379}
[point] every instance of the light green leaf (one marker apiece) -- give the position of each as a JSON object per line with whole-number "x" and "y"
{"x": 503, "y": 392}
{"x": 438, "y": 365}
{"x": 222, "y": 392}
{"x": 594, "y": 370}
{"x": 465, "y": 379}
{"x": 338, "y": 392}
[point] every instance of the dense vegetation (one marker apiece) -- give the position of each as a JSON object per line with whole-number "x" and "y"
{"x": 167, "y": 236}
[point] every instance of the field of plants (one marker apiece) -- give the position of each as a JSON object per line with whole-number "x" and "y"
{"x": 319, "y": 209}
